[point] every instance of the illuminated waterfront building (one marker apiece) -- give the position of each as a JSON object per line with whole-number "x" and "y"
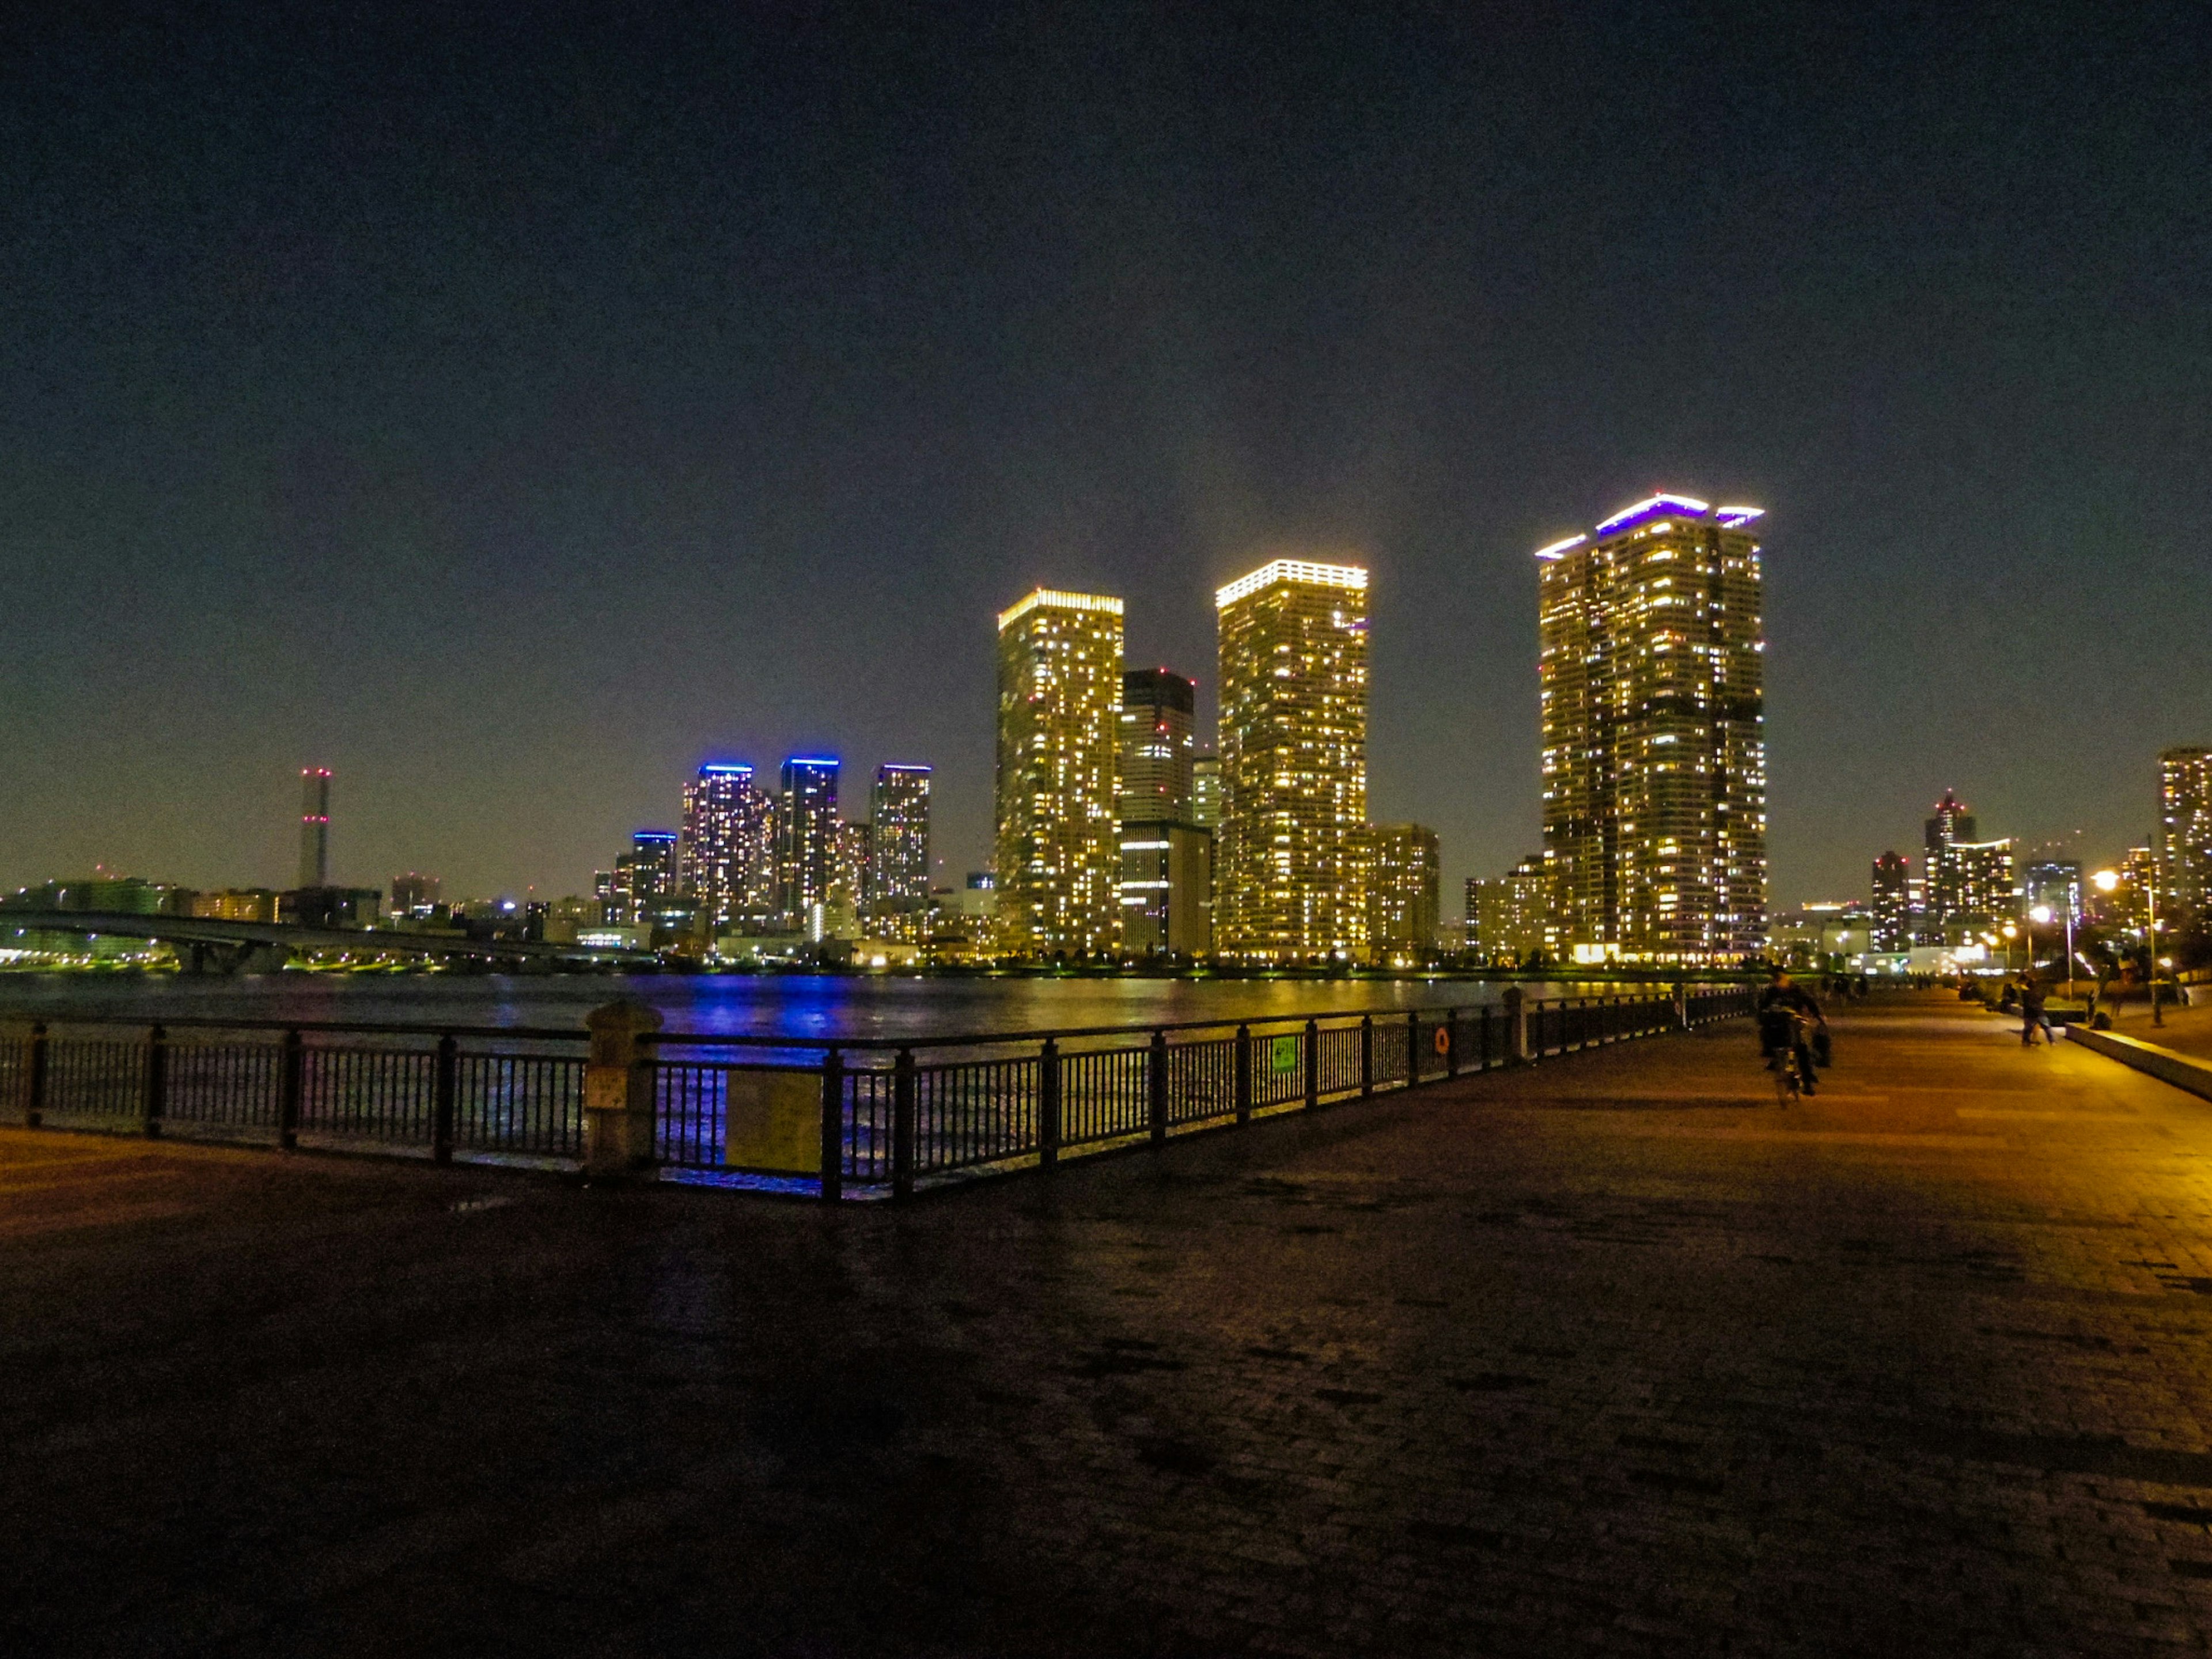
{"x": 807, "y": 830}
{"x": 1950, "y": 825}
{"x": 898, "y": 847}
{"x": 1166, "y": 858}
{"x": 644, "y": 879}
{"x": 2055, "y": 885}
{"x": 727, "y": 849}
{"x": 1984, "y": 880}
{"x": 315, "y": 826}
{"x": 1652, "y": 688}
{"x": 1402, "y": 876}
{"x": 1287, "y": 885}
{"x": 1206, "y": 789}
{"x": 1891, "y": 915}
{"x": 1060, "y": 703}
{"x": 2184, "y": 841}
{"x": 1506, "y": 915}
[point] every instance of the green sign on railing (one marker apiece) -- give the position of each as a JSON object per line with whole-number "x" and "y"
{"x": 1284, "y": 1057}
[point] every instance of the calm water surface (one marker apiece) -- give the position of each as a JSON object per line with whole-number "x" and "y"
{"x": 800, "y": 1005}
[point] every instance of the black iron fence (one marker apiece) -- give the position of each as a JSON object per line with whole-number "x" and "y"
{"x": 890, "y": 1115}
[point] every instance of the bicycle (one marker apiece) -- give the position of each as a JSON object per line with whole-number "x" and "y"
{"x": 1786, "y": 1058}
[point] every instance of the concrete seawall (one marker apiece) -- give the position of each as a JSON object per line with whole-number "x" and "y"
{"x": 2164, "y": 1064}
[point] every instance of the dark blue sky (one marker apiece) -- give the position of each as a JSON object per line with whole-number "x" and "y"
{"x": 511, "y": 411}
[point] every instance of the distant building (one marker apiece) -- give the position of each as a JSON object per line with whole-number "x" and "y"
{"x": 725, "y": 847}
{"x": 1506, "y": 916}
{"x": 1166, "y": 858}
{"x": 413, "y": 894}
{"x": 2054, "y": 883}
{"x": 1891, "y": 913}
{"x": 644, "y": 878}
{"x": 1652, "y": 696}
{"x": 238, "y": 904}
{"x": 849, "y": 877}
{"x": 2184, "y": 843}
{"x": 1984, "y": 880}
{"x": 332, "y": 907}
{"x": 806, "y": 837}
{"x": 1206, "y": 789}
{"x": 899, "y": 845}
{"x": 1401, "y": 877}
{"x": 315, "y": 826}
{"x": 1293, "y": 678}
{"x": 1059, "y": 699}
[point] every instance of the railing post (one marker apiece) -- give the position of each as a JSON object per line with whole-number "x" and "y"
{"x": 902, "y": 1125}
{"x": 618, "y": 1089}
{"x": 1682, "y": 1004}
{"x": 1244, "y": 1074}
{"x": 157, "y": 1069}
{"x": 34, "y": 1082}
{"x": 1313, "y": 1064}
{"x": 1048, "y": 1103}
{"x": 1156, "y": 1089}
{"x": 1413, "y": 1048}
{"x": 1451, "y": 1043}
{"x": 1516, "y": 1026}
{"x": 1366, "y": 1057}
{"x": 441, "y": 1118}
{"x": 833, "y": 1126}
{"x": 291, "y": 1083}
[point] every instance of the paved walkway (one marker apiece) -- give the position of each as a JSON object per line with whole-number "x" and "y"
{"x": 1610, "y": 1356}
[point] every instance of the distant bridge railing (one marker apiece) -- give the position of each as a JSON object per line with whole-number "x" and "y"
{"x": 844, "y": 1117}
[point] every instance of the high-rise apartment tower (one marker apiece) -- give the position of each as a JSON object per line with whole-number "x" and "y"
{"x": 1653, "y": 695}
{"x": 1293, "y": 763}
{"x": 807, "y": 829}
{"x": 1166, "y": 857}
{"x": 898, "y": 851}
{"x": 2184, "y": 843}
{"x": 727, "y": 838}
{"x": 1059, "y": 704}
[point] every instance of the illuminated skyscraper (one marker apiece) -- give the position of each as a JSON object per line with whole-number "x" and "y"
{"x": 1206, "y": 790}
{"x": 644, "y": 878}
{"x": 1653, "y": 698}
{"x": 1506, "y": 917}
{"x": 1402, "y": 877}
{"x": 2184, "y": 841}
{"x": 727, "y": 839}
{"x": 1293, "y": 763}
{"x": 315, "y": 826}
{"x": 1949, "y": 827}
{"x": 807, "y": 829}
{"x": 1893, "y": 915}
{"x": 1060, "y": 701}
{"x": 898, "y": 850}
{"x": 1166, "y": 857}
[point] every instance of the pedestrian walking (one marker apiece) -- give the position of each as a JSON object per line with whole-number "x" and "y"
{"x": 2033, "y": 1018}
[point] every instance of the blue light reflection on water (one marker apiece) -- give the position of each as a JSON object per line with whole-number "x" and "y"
{"x": 794, "y": 1004}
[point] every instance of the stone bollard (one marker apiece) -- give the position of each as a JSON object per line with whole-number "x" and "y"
{"x": 618, "y": 1089}
{"x": 1517, "y": 1026}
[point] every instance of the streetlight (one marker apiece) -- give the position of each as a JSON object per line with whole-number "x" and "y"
{"x": 2011, "y": 933}
{"x": 2041, "y": 913}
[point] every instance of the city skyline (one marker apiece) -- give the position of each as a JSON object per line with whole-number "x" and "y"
{"x": 362, "y": 459}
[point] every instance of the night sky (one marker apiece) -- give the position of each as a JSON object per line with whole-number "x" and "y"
{"x": 510, "y": 408}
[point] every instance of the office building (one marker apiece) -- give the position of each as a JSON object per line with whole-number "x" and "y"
{"x": 1402, "y": 876}
{"x": 2184, "y": 841}
{"x": 807, "y": 831}
{"x": 1890, "y": 914}
{"x": 238, "y": 904}
{"x": 1951, "y": 824}
{"x": 898, "y": 846}
{"x": 1293, "y": 676}
{"x": 1507, "y": 916}
{"x": 315, "y": 826}
{"x": 1652, "y": 691}
{"x": 726, "y": 853}
{"x": 1059, "y": 702}
{"x": 1166, "y": 858}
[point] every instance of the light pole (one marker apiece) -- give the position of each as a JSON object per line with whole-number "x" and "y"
{"x": 2150, "y": 913}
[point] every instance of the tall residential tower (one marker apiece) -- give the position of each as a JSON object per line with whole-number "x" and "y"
{"x": 726, "y": 851}
{"x": 807, "y": 829}
{"x": 1059, "y": 702}
{"x": 1166, "y": 857}
{"x": 2182, "y": 847}
{"x": 1287, "y": 883}
{"x": 1653, "y": 695}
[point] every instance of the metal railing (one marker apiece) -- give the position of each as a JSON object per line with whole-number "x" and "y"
{"x": 892, "y": 1113}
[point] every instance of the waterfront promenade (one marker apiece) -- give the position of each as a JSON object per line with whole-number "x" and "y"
{"x": 1607, "y": 1355}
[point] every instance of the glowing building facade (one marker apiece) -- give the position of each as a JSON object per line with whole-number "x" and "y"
{"x": 1166, "y": 874}
{"x": 726, "y": 846}
{"x": 898, "y": 846}
{"x": 1287, "y": 880}
{"x": 1059, "y": 704}
{"x": 1653, "y": 695}
{"x": 807, "y": 837}
{"x": 1403, "y": 875}
{"x": 2184, "y": 843}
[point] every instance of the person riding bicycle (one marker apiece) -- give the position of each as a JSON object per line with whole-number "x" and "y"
{"x": 1787, "y": 1013}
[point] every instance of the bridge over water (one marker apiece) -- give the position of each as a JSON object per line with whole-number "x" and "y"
{"x": 213, "y": 945}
